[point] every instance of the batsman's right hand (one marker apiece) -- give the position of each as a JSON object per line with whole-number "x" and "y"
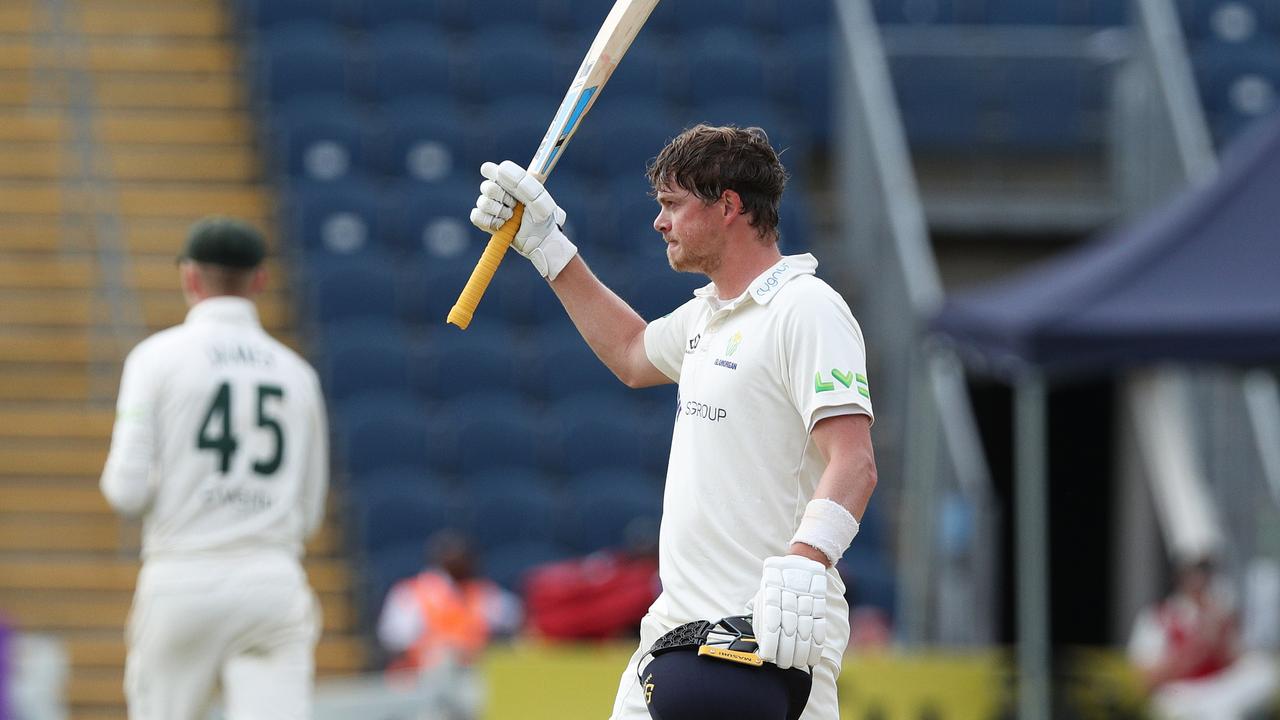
{"x": 540, "y": 237}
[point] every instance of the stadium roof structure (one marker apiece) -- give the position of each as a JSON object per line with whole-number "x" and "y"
{"x": 1196, "y": 280}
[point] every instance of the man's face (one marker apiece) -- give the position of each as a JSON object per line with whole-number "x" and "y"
{"x": 695, "y": 241}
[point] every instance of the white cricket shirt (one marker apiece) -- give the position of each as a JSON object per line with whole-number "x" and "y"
{"x": 755, "y": 373}
{"x": 220, "y": 438}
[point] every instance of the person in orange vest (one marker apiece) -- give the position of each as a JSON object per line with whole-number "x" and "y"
{"x": 1188, "y": 652}
{"x": 446, "y": 613}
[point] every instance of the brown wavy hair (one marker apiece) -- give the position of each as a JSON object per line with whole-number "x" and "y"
{"x": 706, "y": 160}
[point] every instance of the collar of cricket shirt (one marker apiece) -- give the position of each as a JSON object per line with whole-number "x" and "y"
{"x": 224, "y": 309}
{"x": 767, "y": 283}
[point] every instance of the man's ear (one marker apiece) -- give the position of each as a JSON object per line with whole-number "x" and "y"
{"x": 732, "y": 203}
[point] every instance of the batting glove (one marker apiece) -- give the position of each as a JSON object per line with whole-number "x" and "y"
{"x": 789, "y": 612}
{"x": 539, "y": 238}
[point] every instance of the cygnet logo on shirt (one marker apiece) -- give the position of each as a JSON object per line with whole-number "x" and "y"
{"x": 769, "y": 283}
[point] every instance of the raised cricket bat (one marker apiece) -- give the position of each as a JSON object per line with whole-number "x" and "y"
{"x": 611, "y": 43}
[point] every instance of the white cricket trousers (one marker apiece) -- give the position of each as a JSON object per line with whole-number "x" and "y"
{"x": 248, "y": 622}
{"x": 629, "y": 703}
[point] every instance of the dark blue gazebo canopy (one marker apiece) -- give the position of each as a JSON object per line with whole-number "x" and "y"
{"x": 1198, "y": 280}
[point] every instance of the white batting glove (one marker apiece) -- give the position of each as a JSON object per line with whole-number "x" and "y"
{"x": 539, "y": 237}
{"x": 789, "y": 612}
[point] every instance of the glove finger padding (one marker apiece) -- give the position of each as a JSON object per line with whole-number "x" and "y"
{"x": 790, "y": 611}
{"x": 539, "y": 237}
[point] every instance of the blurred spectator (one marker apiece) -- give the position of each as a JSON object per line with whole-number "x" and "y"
{"x": 1188, "y": 651}
{"x": 446, "y": 613}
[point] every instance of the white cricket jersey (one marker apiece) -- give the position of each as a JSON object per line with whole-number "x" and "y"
{"x": 220, "y": 438}
{"x": 755, "y": 374}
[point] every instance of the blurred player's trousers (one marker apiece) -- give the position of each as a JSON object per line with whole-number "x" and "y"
{"x": 249, "y": 623}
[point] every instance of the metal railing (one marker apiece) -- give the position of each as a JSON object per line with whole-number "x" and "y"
{"x": 926, "y": 437}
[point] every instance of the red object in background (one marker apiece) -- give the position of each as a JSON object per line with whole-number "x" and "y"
{"x": 602, "y": 595}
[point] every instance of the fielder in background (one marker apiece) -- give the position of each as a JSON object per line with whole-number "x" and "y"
{"x": 1189, "y": 653}
{"x": 221, "y": 446}
{"x": 771, "y": 460}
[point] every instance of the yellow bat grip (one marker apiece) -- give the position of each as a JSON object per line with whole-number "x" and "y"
{"x": 486, "y": 266}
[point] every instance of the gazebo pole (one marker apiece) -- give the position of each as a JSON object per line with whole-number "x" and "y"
{"x": 1031, "y": 451}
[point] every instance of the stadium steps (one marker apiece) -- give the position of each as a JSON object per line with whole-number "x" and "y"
{"x": 121, "y": 122}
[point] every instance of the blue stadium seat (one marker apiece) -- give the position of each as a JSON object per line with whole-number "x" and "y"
{"x": 749, "y": 19}
{"x": 912, "y": 12}
{"x": 869, "y": 579}
{"x": 424, "y": 138}
{"x": 618, "y": 142}
{"x": 725, "y": 63}
{"x": 1229, "y": 21}
{"x": 435, "y": 218}
{"x": 404, "y": 61}
{"x": 336, "y": 218}
{"x": 392, "y": 517}
{"x": 512, "y": 478}
{"x": 584, "y": 17}
{"x": 615, "y": 477}
{"x": 492, "y": 430}
{"x": 655, "y": 290}
{"x": 263, "y": 15}
{"x": 1023, "y": 12}
{"x": 1238, "y": 83}
{"x": 636, "y": 237}
{"x": 508, "y": 564}
{"x": 514, "y": 128}
{"x": 397, "y": 478}
{"x": 496, "y": 516}
{"x": 941, "y": 101}
{"x": 801, "y": 79}
{"x": 793, "y": 17}
{"x": 499, "y": 58}
{"x": 1044, "y": 101}
{"x": 483, "y": 359}
{"x": 599, "y": 516}
{"x": 591, "y": 431}
{"x": 386, "y": 13}
{"x": 319, "y": 139}
{"x": 431, "y": 285}
{"x": 365, "y": 357}
{"x": 387, "y": 431}
{"x": 564, "y": 365}
{"x": 360, "y": 288}
{"x": 300, "y": 60}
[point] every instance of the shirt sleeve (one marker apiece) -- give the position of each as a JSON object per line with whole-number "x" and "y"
{"x": 825, "y": 359}
{"x": 126, "y": 480}
{"x": 401, "y": 624}
{"x": 316, "y": 477}
{"x": 664, "y": 339}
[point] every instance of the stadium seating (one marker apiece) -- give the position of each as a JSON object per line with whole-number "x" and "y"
{"x": 320, "y": 139}
{"x": 346, "y": 290}
{"x": 383, "y": 431}
{"x": 600, "y": 515}
{"x": 491, "y": 430}
{"x": 484, "y": 359}
{"x": 302, "y": 59}
{"x": 338, "y": 218}
{"x": 509, "y": 514}
{"x": 593, "y": 431}
{"x": 362, "y": 358}
{"x": 424, "y": 138}
{"x": 398, "y": 516}
{"x": 507, "y": 564}
{"x": 404, "y": 60}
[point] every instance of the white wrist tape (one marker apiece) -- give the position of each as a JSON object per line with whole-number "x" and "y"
{"x": 827, "y": 526}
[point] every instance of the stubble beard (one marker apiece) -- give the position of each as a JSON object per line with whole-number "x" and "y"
{"x": 705, "y": 262}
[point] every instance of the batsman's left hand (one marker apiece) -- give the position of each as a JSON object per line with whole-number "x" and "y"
{"x": 789, "y": 612}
